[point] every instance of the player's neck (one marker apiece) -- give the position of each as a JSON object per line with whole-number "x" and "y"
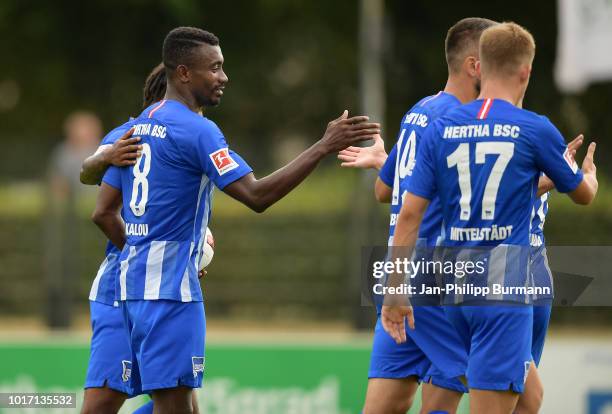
{"x": 460, "y": 88}
{"x": 499, "y": 89}
{"x": 181, "y": 96}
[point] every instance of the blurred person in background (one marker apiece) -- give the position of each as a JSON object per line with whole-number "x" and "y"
{"x": 82, "y": 131}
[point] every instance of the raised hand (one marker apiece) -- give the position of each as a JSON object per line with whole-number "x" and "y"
{"x": 344, "y": 132}
{"x": 588, "y": 164}
{"x": 373, "y": 156}
{"x": 574, "y": 145}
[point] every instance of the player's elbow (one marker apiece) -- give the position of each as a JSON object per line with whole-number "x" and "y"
{"x": 382, "y": 192}
{"x": 584, "y": 200}
{"x": 409, "y": 216}
{"x": 259, "y": 206}
{"x": 86, "y": 179}
{"x": 381, "y": 197}
{"x": 260, "y": 200}
{"x": 99, "y": 216}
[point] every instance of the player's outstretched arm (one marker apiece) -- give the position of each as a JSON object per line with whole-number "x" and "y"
{"x": 259, "y": 194}
{"x": 122, "y": 153}
{"x": 587, "y": 189}
{"x": 107, "y": 215}
{"x": 373, "y": 156}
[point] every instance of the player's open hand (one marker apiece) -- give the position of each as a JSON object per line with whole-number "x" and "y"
{"x": 574, "y": 145}
{"x": 124, "y": 151}
{"x": 588, "y": 164}
{"x": 343, "y": 132}
{"x": 373, "y": 156}
{"x": 393, "y": 320}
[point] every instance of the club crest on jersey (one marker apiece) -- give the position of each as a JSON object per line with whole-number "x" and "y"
{"x": 127, "y": 370}
{"x": 198, "y": 365}
{"x": 223, "y": 161}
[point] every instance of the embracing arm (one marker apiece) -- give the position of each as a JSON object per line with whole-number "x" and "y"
{"x": 259, "y": 194}
{"x": 122, "y": 153}
{"x": 94, "y": 166}
{"x": 107, "y": 215}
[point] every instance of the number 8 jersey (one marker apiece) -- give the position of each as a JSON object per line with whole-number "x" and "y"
{"x": 167, "y": 200}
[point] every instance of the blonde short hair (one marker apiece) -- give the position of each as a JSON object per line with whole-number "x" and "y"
{"x": 505, "y": 47}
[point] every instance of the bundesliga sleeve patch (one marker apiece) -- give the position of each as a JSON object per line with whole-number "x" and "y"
{"x": 223, "y": 161}
{"x": 568, "y": 159}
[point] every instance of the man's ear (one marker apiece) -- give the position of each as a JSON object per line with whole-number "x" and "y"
{"x": 478, "y": 69}
{"x": 524, "y": 73}
{"x": 470, "y": 65}
{"x": 183, "y": 74}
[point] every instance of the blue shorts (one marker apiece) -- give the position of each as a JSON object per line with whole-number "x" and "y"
{"x": 499, "y": 341}
{"x": 110, "y": 356}
{"x": 167, "y": 340}
{"x": 433, "y": 342}
{"x": 541, "y": 318}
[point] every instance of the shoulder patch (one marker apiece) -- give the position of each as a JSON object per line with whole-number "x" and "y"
{"x": 223, "y": 161}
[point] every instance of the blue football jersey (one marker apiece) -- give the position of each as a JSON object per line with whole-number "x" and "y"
{"x": 167, "y": 200}
{"x": 484, "y": 159}
{"x": 397, "y": 170}
{"x": 103, "y": 286}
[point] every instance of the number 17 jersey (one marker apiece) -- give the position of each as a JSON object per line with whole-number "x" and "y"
{"x": 167, "y": 200}
{"x": 483, "y": 160}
